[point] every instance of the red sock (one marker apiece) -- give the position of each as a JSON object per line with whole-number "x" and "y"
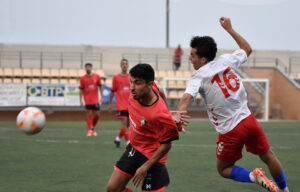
{"x": 129, "y": 190}
{"x": 89, "y": 122}
{"x": 125, "y": 134}
{"x": 120, "y": 135}
{"x": 95, "y": 120}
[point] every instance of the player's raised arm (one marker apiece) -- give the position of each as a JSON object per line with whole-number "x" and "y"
{"x": 243, "y": 44}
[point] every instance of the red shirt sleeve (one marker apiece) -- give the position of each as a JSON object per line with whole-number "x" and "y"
{"x": 169, "y": 131}
{"x": 114, "y": 84}
{"x": 81, "y": 84}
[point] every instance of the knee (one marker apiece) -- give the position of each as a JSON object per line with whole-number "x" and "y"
{"x": 111, "y": 188}
{"x": 222, "y": 172}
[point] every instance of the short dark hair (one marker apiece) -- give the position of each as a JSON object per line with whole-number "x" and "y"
{"x": 124, "y": 60}
{"x": 88, "y": 64}
{"x": 143, "y": 71}
{"x": 205, "y": 46}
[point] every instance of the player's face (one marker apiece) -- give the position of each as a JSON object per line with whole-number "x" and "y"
{"x": 139, "y": 88}
{"x": 124, "y": 66}
{"x": 195, "y": 59}
{"x": 88, "y": 69}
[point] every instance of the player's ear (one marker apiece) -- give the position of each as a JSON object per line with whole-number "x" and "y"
{"x": 203, "y": 60}
{"x": 150, "y": 83}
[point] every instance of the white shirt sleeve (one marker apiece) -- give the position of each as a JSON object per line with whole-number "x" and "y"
{"x": 194, "y": 85}
{"x": 237, "y": 58}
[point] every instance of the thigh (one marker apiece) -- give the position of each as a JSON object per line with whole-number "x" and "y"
{"x": 230, "y": 146}
{"x": 157, "y": 178}
{"x": 117, "y": 181}
{"x": 257, "y": 141}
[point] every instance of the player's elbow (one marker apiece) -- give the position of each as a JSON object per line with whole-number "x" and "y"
{"x": 248, "y": 50}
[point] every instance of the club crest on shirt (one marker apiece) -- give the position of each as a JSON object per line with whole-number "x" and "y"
{"x": 144, "y": 121}
{"x": 95, "y": 80}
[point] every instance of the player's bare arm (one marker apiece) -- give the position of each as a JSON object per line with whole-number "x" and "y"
{"x": 243, "y": 44}
{"x": 184, "y": 102}
{"x": 111, "y": 95}
{"x": 141, "y": 172}
{"x": 80, "y": 96}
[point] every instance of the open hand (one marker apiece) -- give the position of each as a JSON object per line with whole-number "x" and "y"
{"x": 181, "y": 119}
{"x": 139, "y": 176}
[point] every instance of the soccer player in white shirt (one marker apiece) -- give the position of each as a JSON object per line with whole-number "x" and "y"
{"x": 226, "y": 102}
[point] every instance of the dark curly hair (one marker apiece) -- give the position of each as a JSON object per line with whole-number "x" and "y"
{"x": 142, "y": 71}
{"x": 205, "y": 46}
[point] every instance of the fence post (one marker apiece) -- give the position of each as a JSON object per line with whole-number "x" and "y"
{"x": 140, "y": 58}
{"x": 276, "y": 62}
{"x": 20, "y": 58}
{"x": 156, "y": 61}
{"x": 101, "y": 64}
{"x": 81, "y": 60}
{"x": 61, "y": 60}
{"x": 290, "y": 65}
{"x": 41, "y": 60}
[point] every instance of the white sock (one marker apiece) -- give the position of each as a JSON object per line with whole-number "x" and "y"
{"x": 117, "y": 138}
{"x": 252, "y": 177}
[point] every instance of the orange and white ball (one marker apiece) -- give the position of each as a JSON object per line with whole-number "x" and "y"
{"x": 31, "y": 120}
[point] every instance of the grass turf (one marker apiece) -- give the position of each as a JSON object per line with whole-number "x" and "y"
{"x": 62, "y": 159}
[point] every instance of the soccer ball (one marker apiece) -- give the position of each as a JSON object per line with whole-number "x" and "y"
{"x": 31, "y": 120}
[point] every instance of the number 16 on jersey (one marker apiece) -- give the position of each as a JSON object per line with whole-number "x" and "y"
{"x": 224, "y": 86}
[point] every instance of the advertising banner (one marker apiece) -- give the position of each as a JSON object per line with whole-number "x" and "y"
{"x": 46, "y": 94}
{"x": 72, "y": 95}
{"x": 12, "y": 94}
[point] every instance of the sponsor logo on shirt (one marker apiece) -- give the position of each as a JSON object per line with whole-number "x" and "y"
{"x": 144, "y": 121}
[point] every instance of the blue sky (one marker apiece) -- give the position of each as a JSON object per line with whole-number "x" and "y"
{"x": 266, "y": 24}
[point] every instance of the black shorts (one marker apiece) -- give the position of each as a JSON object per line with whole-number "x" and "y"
{"x": 95, "y": 107}
{"x": 122, "y": 114}
{"x": 157, "y": 177}
{"x": 177, "y": 64}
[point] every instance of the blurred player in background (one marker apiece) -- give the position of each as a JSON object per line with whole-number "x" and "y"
{"x": 152, "y": 129}
{"x": 226, "y": 102}
{"x": 90, "y": 85}
{"x": 178, "y": 52}
{"x": 121, "y": 86}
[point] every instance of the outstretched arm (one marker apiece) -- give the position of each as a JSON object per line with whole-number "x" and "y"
{"x": 243, "y": 44}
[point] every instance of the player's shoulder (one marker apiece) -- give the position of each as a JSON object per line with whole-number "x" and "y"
{"x": 96, "y": 75}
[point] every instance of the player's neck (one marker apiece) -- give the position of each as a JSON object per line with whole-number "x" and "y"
{"x": 149, "y": 99}
{"x": 123, "y": 73}
{"x": 89, "y": 74}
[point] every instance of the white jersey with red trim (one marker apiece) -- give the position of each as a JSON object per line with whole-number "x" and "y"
{"x": 221, "y": 88}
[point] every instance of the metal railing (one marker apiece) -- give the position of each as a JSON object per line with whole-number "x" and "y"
{"x": 158, "y": 61}
{"x": 34, "y": 59}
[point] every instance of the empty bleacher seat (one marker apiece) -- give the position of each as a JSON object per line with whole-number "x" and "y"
{"x": 54, "y": 81}
{"x": 173, "y": 94}
{"x": 161, "y": 74}
{"x": 178, "y": 74}
{"x": 35, "y": 80}
{"x": 181, "y": 84}
{"x": 45, "y": 80}
{"x": 73, "y": 81}
{"x": 27, "y": 72}
{"x": 81, "y": 72}
{"x": 54, "y": 73}
{"x": 18, "y": 72}
{"x": 73, "y": 73}
{"x": 17, "y": 80}
{"x": 36, "y": 72}
{"x": 172, "y": 84}
{"x": 101, "y": 73}
{"x": 7, "y": 80}
{"x": 26, "y": 80}
{"x": 64, "y": 81}
{"x": 8, "y": 72}
{"x": 46, "y": 73}
{"x": 63, "y": 73}
{"x": 187, "y": 74}
{"x": 170, "y": 74}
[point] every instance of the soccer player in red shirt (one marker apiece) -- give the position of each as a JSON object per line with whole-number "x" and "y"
{"x": 90, "y": 84}
{"x": 121, "y": 86}
{"x": 152, "y": 129}
{"x": 178, "y": 52}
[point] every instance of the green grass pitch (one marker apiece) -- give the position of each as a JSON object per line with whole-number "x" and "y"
{"x": 62, "y": 159}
